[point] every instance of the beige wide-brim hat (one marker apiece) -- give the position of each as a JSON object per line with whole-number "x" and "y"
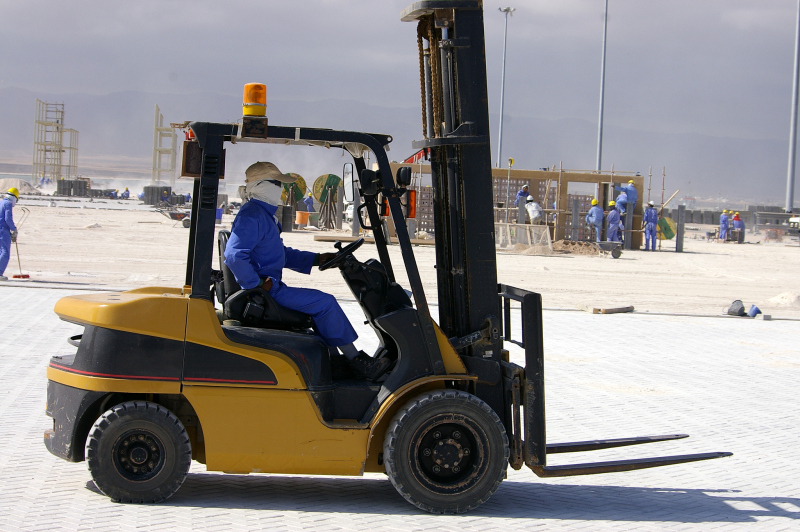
{"x": 265, "y": 170}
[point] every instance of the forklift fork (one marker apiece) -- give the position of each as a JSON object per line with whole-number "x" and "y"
{"x": 524, "y": 391}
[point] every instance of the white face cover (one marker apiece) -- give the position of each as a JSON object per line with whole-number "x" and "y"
{"x": 12, "y": 198}
{"x": 264, "y": 191}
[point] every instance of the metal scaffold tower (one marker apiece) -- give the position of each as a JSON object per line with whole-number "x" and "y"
{"x": 52, "y": 159}
{"x": 162, "y": 151}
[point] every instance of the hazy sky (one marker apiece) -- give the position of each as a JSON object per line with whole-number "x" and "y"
{"x": 716, "y": 67}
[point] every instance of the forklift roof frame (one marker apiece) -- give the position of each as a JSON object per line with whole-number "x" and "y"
{"x": 211, "y": 138}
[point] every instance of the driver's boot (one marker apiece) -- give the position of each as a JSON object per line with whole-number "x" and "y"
{"x": 366, "y": 367}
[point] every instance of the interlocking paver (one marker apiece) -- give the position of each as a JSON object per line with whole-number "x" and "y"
{"x": 730, "y": 383}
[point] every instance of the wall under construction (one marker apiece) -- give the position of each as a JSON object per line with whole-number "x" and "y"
{"x": 548, "y": 187}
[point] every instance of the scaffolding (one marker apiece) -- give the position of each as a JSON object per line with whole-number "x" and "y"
{"x": 161, "y": 151}
{"x": 49, "y": 151}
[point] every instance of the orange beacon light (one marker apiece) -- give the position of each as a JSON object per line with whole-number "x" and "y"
{"x": 254, "y": 100}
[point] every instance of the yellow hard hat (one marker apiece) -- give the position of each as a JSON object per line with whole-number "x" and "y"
{"x": 737, "y": 214}
{"x": 724, "y": 211}
{"x": 612, "y": 203}
{"x": 13, "y": 191}
{"x": 309, "y": 194}
{"x": 594, "y": 202}
{"x": 630, "y": 182}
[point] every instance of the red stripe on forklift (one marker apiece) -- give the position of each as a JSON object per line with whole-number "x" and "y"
{"x": 203, "y": 379}
{"x": 93, "y": 374}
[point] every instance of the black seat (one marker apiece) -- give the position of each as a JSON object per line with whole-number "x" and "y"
{"x": 253, "y": 307}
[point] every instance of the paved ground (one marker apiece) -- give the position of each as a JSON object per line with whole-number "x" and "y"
{"x": 729, "y": 383}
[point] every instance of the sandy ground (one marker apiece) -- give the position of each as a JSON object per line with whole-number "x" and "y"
{"x": 95, "y": 245}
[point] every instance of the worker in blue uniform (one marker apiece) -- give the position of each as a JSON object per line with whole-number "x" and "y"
{"x": 256, "y": 255}
{"x": 612, "y": 230}
{"x": 622, "y": 202}
{"x": 521, "y": 195}
{"x": 723, "y": 226}
{"x": 595, "y": 219}
{"x": 631, "y": 196}
{"x": 8, "y": 231}
{"x": 650, "y": 222}
{"x": 738, "y": 224}
{"x": 125, "y": 194}
{"x": 309, "y": 201}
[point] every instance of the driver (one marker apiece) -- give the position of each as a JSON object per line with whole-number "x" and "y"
{"x": 256, "y": 255}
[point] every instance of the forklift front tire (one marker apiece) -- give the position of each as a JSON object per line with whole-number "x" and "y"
{"x": 446, "y": 452}
{"x": 138, "y": 452}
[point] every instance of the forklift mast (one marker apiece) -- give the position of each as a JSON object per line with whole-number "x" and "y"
{"x": 474, "y": 310}
{"x": 455, "y": 119}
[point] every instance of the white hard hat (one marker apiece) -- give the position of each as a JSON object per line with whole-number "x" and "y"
{"x": 650, "y": 203}
{"x": 529, "y": 198}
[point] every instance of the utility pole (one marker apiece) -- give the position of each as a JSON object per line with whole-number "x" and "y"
{"x": 793, "y": 130}
{"x": 508, "y": 11}
{"x": 602, "y": 93}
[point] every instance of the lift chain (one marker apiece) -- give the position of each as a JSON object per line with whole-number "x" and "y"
{"x": 436, "y": 72}
{"x": 420, "y": 31}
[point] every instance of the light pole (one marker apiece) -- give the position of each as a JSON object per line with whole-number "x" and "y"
{"x": 508, "y": 11}
{"x": 602, "y": 93}
{"x": 793, "y": 130}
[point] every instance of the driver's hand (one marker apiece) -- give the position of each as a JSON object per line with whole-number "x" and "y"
{"x": 267, "y": 285}
{"x": 325, "y": 257}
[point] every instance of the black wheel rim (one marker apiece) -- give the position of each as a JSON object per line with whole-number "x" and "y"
{"x": 139, "y": 455}
{"x": 449, "y": 454}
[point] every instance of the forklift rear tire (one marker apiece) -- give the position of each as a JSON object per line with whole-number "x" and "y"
{"x": 446, "y": 452}
{"x": 138, "y": 452}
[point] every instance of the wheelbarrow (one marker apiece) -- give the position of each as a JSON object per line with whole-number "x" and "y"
{"x": 606, "y": 248}
{"x": 177, "y": 216}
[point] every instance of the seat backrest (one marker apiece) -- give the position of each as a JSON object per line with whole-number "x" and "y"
{"x": 229, "y": 286}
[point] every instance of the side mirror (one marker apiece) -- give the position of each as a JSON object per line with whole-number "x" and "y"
{"x": 403, "y": 176}
{"x": 369, "y": 182}
{"x": 347, "y": 175}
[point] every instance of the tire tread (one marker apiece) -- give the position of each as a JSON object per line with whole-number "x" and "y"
{"x": 403, "y": 417}
{"x": 183, "y": 451}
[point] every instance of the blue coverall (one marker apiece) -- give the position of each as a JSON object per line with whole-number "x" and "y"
{"x": 125, "y": 194}
{"x": 650, "y": 228}
{"x": 631, "y": 193}
{"x": 309, "y": 201}
{"x": 595, "y": 218}
{"x": 6, "y": 226}
{"x": 723, "y": 227}
{"x": 612, "y": 231}
{"x": 622, "y": 202}
{"x": 523, "y": 195}
{"x": 255, "y": 251}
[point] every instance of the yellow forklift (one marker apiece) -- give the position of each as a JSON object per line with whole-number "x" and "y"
{"x": 161, "y": 377}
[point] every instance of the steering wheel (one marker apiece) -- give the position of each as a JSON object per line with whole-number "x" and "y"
{"x": 341, "y": 254}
